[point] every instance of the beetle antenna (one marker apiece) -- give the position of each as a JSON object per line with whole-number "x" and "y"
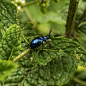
{"x": 50, "y": 31}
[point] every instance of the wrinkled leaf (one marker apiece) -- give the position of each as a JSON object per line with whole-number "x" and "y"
{"x": 59, "y": 47}
{"x": 6, "y": 67}
{"x": 10, "y": 43}
{"x": 56, "y": 72}
{"x": 8, "y": 15}
{"x": 16, "y": 77}
{"x": 82, "y": 31}
{"x": 60, "y": 62}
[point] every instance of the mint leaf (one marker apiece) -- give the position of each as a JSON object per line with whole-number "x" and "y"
{"x": 8, "y": 15}
{"x": 69, "y": 47}
{"x": 59, "y": 47}
{"x": 10, "y": 43}
{"x": 6, "y": 67}
{"x": 62, "y": 69}
{"x": 82, "y": 30}
{"x": 56, "y": 72}
{"x": 16, "y": 77}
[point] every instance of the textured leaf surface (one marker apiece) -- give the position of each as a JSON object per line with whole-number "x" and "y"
{"x": 16, "y": 77}
{"x": 6, "y": 67}
{"x": 60, "y": 47}
{"x": 82, "y": 30}
{"x": 8, "y": 15}
{"x": 10, "y": 43}
{"x": 56, "y": 72}
{"x": 60, "y": 62}
{"x": 44, "y": 58}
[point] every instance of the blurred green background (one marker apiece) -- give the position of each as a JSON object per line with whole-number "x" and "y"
{"x": 55, "y": 17}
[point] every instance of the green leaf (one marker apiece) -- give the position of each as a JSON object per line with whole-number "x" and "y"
{"x": 33, "y": 74}
{"x": 62, "y": 69}
{"x": 16, "y": 77}
{"x": 69, "y": 47}
{"x": 8, "y": 15}
{"x": 43, "y": 75}
{"x": 44, "y": 58}
{"x": 6, "y": 67}
{"x": 82, "y": 30}
{"x": 60, "y": 47}
{"x": 10, "y": 43}
{"x": 0, "y": 11}
{"x": 56, "y": 72}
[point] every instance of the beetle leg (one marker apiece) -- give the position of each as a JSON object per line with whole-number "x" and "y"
{"x": 48, "y": 44}
{"x": 42, "y": 48}
{"x": 50, "y": 31}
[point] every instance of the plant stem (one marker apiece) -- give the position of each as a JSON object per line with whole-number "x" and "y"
{"x": 81, "y": 18}
{"x": 21, "y": 55}
{"x": 27, "y": 11}
{"x": 71, "y": 17}
{"x": 30, "y": 3}
{"x": 28, "y": 14}
{"x": 79, "y": 81}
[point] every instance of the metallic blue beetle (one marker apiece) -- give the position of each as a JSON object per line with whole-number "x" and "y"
{"x": 36, "y": 42}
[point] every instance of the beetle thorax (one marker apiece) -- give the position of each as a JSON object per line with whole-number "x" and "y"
{"x": 45, "y": 38}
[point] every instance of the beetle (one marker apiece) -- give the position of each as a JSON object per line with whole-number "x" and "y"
{"x": 36, "y": 42}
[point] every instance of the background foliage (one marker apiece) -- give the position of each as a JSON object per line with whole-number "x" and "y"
{"x": 23, "y": 20}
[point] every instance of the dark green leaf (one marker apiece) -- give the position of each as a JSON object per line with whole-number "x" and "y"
{"x": 60, "y": 47}
{"x": 6, "y": 67}
{"x": 10, "y": 43}
{"x": 82, "y": 30}
{"x": 56, "y": 72}
{"x": 16, "y": 77}
{"x": 8, "y": 15}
